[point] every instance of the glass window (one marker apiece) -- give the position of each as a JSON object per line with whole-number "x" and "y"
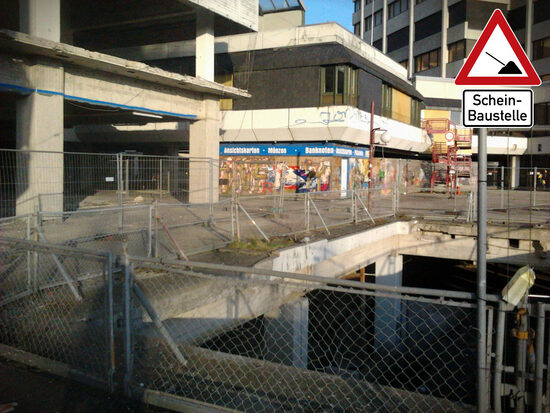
{"x": 357, "y": 5}
{"x": 420, "y": 1}
{"x": 545, "y": 78}
{"x": 405, "y": 63}
{"x": 397, "y": 7}
{"x": 339, "y": 85}
{"x": 541, "y": 48}
{"x": 357, "y": 29}
{"x": 542, "y": 113}
{"x": 427, "y": 60}
{"x": 378, "y": 18}
{"x": 457, "y": 50}
{"x": 368, "y": 23}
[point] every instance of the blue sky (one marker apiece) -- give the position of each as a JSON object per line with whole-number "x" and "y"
{"x": 321, "y": 11}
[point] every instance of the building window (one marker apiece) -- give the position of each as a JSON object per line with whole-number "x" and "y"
{"x": 378, "y": 44}
{"x": 427, "y": 60}
{"x": 357, "y": 5}
{"x": 541, "y": 48}
{"x": 397, "y": 7}
{"x": 542, "y": 113}
{"x": 400, "y": 106}
{"x": 378, "y": 18}
{"x": 516, "y": 18}
{"x": 398, "y": 39}
{"x": 368, "y": 23}
{"x": 338, "y": 85}
{"x": 357, "y": 29}
{"x": 405, "y": 64}
{"x": 420, "y": 1}
{"x": 368, "y": 2}
{"x": 457, "y": 13}
{"x": 427, "y": 26}
{"x": 541, "y": 11}
{"x": 457, "y": 50}
{"x": 545, "y": 78}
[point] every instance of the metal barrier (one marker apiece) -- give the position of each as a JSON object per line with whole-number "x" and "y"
{"x": 68, "y": 181}
{"x": 182, "y": 333}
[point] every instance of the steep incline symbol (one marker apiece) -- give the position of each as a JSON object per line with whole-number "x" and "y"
{"x": 497, "y": 58}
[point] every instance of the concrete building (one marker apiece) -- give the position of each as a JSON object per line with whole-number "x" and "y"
{"x": 55, "y": 80}
{"x": 432, "y": 38}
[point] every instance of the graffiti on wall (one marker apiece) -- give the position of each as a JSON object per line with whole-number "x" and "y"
{"x": 265, "y": 175}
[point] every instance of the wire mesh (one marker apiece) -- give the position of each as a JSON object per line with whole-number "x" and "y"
{"x": 54, "y": 304}
{"x": 265, "y": 345}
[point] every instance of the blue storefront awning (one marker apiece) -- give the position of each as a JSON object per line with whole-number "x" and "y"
{"x": 293, "y": 149}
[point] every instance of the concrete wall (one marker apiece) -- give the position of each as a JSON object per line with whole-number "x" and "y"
{"x": 244, "y": 12}
{"x": 281, "y": 20}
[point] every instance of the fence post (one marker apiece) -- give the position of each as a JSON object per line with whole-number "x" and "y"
{"x": 150, "y": 232}
{"x": 155, "y": 215}
{"x": 502, "y": 187}
{"x": 539, "y": 358}
{"x": 521, "y": 356}
{"x": 211, "y": 189}
{"x": 499, "y": 349}
{"x": 535, "y": 188}
{"x": 29, "y": 254}
{"x": 110, "y": 325}
{"x": 127, "y": 327}
{"x": 160, "y": 178}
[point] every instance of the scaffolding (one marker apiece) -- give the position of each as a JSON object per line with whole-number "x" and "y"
{"x": 451, "y": 157}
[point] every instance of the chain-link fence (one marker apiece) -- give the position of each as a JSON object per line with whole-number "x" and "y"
{"x": 68, "y": 181}
{"x": 261, "y": 340}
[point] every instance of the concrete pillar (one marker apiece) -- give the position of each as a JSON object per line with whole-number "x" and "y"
{"x": 444, "y": 27}
{"x": 40, "y": 18}
{"x": 515, "y": 172}
{"x": 387, "y": 311}
{"x": 204, "y": 46}
{"x": 204, "y": 149}
{"x": 529, "y": 28}
{"x": 39, "y": 117}
{"x": 286, "y": 334}
{"x": 384, "y": 26}
{"x": 411, "y": 38}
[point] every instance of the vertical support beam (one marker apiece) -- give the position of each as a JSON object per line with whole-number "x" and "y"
{"x": 529, "y": 29}
{"x": 204, "y": 144}
{"x": 482, "y": 390}
{"x": 539, "y": 358}
{"x": 514, "y": 173}
{"x": 384, "y": 26}
{"x": 387, "y": 318}
{"x": 127, "y": 327}
{"x": 41, "y": 18}
{"x": 499, "y": 354}
{"x": 204, "y": 46}
{"x": 444, "y": 27}
{"x": 286, "y": 334}
{"x": 362, "y": 22}
{"x": 411, "y": 37}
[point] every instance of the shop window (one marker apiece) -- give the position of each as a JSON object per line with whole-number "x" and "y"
{"x": 457, "y": 51}
{"x": 541, "y": 48}
{"x": 427, "y": 60}
{"x": 338, "y": 85}
{"x": 225, "y": 79}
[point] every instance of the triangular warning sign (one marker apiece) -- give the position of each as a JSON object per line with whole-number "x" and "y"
{"x": 497, "y": 58}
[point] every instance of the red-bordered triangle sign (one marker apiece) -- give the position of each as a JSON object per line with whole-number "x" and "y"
{"x": 504, "y": 64}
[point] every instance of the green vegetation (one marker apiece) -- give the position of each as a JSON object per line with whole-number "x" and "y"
{"x": 259, "y": 244}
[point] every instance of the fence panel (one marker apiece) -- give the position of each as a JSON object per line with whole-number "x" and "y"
{"x": 267, "y": 345}
{"x": 56, "y": 306}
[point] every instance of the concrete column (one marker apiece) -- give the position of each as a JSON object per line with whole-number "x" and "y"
{"x": 514, "y": 173}
{"x": 39, "y": 117}
{"x": 204, "y": 46}
{"x": 40, "y": 18}
{"x": 384, "y": 26}
{"x": 204, "y": 148}
{"x": 411, "y": 38}
{"x": 529, "y": 28}
{"x": 387, "y": 311}
{"x": 286, "y": 334}
{"x": 362, "y": 22}
{"x": 444, "y": 27}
